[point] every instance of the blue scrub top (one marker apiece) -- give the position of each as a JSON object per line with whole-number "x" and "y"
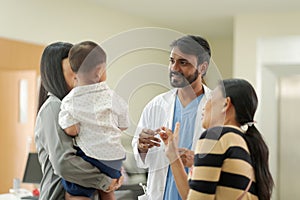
{"x": 186, "y": 116}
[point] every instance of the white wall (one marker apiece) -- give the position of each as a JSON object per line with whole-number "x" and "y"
{"x": 70, "y": 20}
{"x": 222, "y": 55}
{"x": 261, "y": 43}
{"x": 248, "y": 29}
{"x": 44, "y": 22}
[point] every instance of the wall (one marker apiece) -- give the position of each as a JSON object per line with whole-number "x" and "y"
{"x": 44, "y": 22}
{"x": 222, "y": 55}
{"x": 248, "y": 29}
{"x": 77, "y": 20}
{"x": 87, "y": 21}
{"x": 40, "y": 26}
{"x": 250, "y": 34}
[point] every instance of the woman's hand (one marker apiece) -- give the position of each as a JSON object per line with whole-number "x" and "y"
{"x": 171, "y": 142}
{"x": 115, "y": 184}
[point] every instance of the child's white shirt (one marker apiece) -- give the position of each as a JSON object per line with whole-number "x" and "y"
{"x": 100, "y": 112}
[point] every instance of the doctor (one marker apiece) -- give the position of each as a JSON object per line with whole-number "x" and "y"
{"x": 189, "y": 60}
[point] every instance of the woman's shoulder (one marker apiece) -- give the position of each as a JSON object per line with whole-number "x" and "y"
{"x": 228, "y": 137}
{"x": 218, "y": 132}
{"x": 225, "y": 139}
{"x": 52, "y": 104}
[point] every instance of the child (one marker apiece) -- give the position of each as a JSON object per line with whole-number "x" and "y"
{"x": 95, "y": 115}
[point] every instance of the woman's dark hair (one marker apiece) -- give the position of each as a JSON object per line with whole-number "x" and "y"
{"x": 52, "y": 78}
{"x": 244, "y": 99}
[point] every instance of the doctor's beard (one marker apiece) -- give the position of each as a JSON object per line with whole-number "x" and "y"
{"x": 178, "y": 80}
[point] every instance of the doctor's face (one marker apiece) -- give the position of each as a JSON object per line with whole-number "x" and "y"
{"x": 183, "y": 68}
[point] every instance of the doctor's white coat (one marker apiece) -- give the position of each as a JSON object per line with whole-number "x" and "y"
{"x": 159, "y": 112}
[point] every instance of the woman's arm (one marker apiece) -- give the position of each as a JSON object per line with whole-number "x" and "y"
{"x": 180, "y": 177}
{"x": 172, "y": 152}
{"x": 62, "y": 155}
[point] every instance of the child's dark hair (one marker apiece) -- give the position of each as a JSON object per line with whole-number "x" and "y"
{"x": 86, "y": 56}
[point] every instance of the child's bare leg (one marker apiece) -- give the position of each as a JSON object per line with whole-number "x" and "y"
{"x": 107, "y": 195}
{"x": 70, "y": 197}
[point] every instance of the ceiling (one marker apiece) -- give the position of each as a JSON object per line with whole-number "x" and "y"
{"x": 213, "y": 18}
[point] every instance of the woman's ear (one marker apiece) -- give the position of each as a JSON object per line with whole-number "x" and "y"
{"x": 227, "y": 104}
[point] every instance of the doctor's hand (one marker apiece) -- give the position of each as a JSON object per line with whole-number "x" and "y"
{"x": 187, "y": 157}
{"x": 147, "y": 140}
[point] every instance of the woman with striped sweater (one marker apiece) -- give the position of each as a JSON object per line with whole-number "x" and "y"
{"x": 231, "y": 157}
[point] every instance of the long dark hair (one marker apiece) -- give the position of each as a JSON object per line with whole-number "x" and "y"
{"x": 52, "y": 78}
{"x": 244, "y": 99}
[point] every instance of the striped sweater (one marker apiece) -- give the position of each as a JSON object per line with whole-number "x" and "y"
{"x": 222, "y": 166}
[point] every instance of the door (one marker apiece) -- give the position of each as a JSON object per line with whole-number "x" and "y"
{"x": 16, "y": 137}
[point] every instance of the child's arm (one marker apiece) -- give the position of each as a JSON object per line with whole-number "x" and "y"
{"x": 66, "y": 120}
{"x": 72, "y": 130}
{"x": 123, "y": 116}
